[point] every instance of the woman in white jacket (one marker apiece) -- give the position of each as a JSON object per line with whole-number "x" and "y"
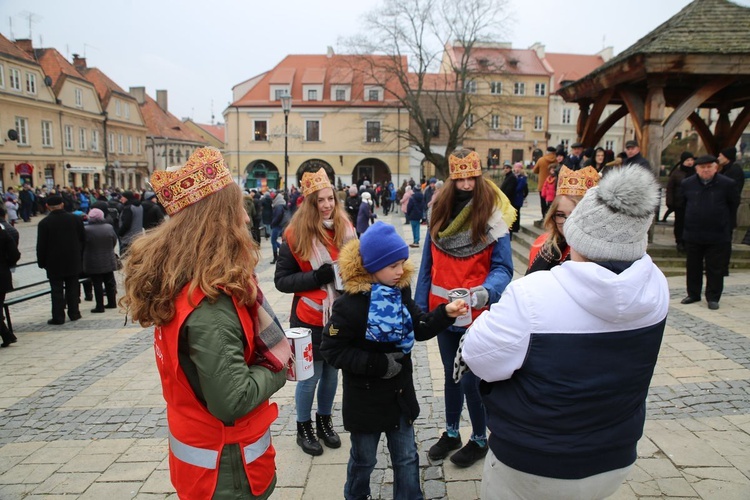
{"x": 565, "y": 371}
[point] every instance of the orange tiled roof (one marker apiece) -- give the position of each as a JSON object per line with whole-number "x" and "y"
{"x": 9, "y": 48}
{"x": 336, "y": 69}
{"x": 434, "y": 82}
{"x": 56, "y": 66}
{"x": 571, "y": 67}
{"x": 215, "y": 130}
{"x": 165, "y": 124}
{"x": 502, "y": 60}
{"x": 103, "y": 84}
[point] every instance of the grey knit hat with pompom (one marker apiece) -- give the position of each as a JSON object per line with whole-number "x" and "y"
{"x": 612, "y": 220}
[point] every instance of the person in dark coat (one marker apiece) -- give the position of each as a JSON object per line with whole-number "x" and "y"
{"x": 521, "y": 192}
{"x": 153, "y": 213}
{"x": 351, "y": 204}
{"x": 9, "y": 255}
{"x": 12, "y": 231}
{"x": 59, "y": 248}
{"x": 634, "y": 157}
{"x": 266, "y": 212}
{"x": 675, "y": 198}
{"x": 99, "y": 261}
{"x": 26, "y": 197}
{"x": 573, "y": 160}
{"x": 414, "y": 213}
{"x": 277, "y": 224}
{"x": 510, "y": 182}
{"x": 366, "y": 214}
{"x": 370, "y": 337}
{"x": 131, "y": 220}
{"x": 711, "y": 202}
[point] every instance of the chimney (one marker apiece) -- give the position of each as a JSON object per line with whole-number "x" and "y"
{"x": 139, "y": 93}
{"x": 161, "y": 100}
{"x": 25, "y": 45}
{"x": 539, "y": 49}
{"x": 329, "y": 52}
{"x": 79, "y": 62}
{"x": 606, "y": 53}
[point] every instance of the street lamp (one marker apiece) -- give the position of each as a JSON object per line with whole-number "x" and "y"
{"x": 286, "y": 105}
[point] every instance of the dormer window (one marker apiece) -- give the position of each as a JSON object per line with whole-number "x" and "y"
{"x": 79, "y": 98}
{"x": 341, "y": 92}
{"x": 373, "y": 93}
{"x": 312, "y": 95}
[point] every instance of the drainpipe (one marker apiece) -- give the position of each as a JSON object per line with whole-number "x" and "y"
{"x": 237, "y": 110}
{"x": 106, "y": 151}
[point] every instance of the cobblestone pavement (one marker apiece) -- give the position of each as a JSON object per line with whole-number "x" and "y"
{"x": 81, "y": 412}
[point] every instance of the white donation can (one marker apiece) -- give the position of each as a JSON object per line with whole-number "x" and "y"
{"x": 301, "y": 367}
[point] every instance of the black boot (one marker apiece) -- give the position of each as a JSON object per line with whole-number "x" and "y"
{"x": 324, "y": 425}
{"x": 8, "y": 338}
{"x": 307, "y": 440}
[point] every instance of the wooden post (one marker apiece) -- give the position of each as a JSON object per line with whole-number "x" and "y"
{"x": 653, "y": 123}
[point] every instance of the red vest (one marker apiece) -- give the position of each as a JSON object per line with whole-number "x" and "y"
{"x": 537, "y": 246}
{"x": 450, "y": 272}
{"x": 310, "y": 303}
{"x": 196, "y": 438}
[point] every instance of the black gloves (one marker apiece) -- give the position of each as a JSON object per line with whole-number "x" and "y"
{"x": 324, "y": 274}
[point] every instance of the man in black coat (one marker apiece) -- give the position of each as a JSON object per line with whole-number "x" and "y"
{"x": 711, "y": 201}
{"x": 510, "y": 182}
{"x": 573, "y": 160}
{"x": 634, "y": 157}
{"x": 153, "y": 213}
{"x": 59, "y": 250}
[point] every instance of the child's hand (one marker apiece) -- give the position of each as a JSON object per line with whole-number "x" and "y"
{"x": 457, "y": 308}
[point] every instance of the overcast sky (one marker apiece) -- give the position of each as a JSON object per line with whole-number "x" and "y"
{"x": 199, "y": 49}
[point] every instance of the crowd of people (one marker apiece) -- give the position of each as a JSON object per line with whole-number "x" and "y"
{"x": 541, "y": 363}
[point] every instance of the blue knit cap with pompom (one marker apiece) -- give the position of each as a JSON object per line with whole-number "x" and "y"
{"x": 612, "y": 220}
{"x": 381, "y": 246}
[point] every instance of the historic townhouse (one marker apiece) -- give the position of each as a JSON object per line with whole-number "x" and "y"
{"x": 169, "y": 141}
{"x": 510, "y": 91}
{"x": 38, "y": 136}
{"x": 340, "y": 119}
{"x": 124, "y": 134}
{"x": 212, "y": 134}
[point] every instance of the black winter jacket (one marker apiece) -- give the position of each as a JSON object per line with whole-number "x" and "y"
{"x": 9, "y": 256}
{"x": 370, "y": 402}
{"x": 59, "y": 244}
{"x": 710, "y": 209}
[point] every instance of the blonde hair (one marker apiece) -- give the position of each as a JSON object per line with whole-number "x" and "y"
{"x": 306, "y": 225}
{"x": 205, "y": 245}
{"x": 555, "y": 237}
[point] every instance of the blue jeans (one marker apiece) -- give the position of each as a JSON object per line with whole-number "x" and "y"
{"x": 275, "y": 244}
{"x": 362, "y": 460}
{"x": 303, "y": 396}
{"x": 415, "y": 230}
{"x": 454, "y": 393}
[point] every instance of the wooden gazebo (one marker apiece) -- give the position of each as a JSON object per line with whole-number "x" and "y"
{"x": 700, "y": 58}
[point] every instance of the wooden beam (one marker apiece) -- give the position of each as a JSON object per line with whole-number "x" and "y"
{"x": 608, "y": 123}
{"x": 738, "y": 127}
{"x": 697, "y": 64}
{"x": 681, "y": 112}
{"x": 704, "y": 132}
{"x": 583, "y": 116}
{"x": 636, "y": 109}
{"x": 592, "y": 123}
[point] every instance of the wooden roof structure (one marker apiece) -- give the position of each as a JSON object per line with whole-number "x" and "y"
{"x": 699, "y": 58}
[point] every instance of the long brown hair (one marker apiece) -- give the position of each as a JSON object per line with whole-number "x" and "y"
{"x": 307, "y": 224}
{"x": 483, "y": 203}
{"x": 555, "y": 237}
{"x": 206, "y": 245}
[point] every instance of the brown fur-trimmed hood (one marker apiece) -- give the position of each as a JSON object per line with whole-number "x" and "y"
{"x": 355, "y": 276}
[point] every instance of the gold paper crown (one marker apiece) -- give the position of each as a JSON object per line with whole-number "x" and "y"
{"x": 461, "y": 168}
{"x": 315, "y": 181}
{"x": 576, "y": 183}
{"x": 204, "y": 174}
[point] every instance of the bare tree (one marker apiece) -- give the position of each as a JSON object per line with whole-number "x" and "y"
{"x": 420, "y": 71}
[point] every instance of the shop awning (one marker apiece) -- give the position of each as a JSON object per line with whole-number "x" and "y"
{"x": 24, "y": 169}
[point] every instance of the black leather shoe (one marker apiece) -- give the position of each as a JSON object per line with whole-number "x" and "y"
{"x": 98, "y": 310}
{"x": 55, "y": 322}
{"x": 689, "y": 300}
{"x": 74, "y": 317}
{"x": 324, "y": 428}
{"x": 306, "y": 439}
{"x": 713, "y": 305}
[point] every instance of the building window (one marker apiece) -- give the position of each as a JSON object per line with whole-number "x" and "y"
{"x": 120, "y": 144}
{"x": 373, "y": 95}
{"x": 566, "y": 116}
{"x": 127, "y": 110}
{"x": 94, "y": 140}
{"x": 31, "y": 83}
{"x": 22, "y": 127}
{"x": 565, "y": 143}
{"x": 538, "y": 122}
{"x": 260, "y": 128}
{"x": 609, "y": 145}
{"x": 312, "y": 95}
{"x": 47, "y": 134}
{"x": 469, "y": 120}
{"x": 130, "y": 144}
{"x": 15, "y": 79}
{"x": 118, "y": 110}
{"x": 68, "y": 137}
{"x": 312, "y": 130}
{"x": 138, "y": 145}
{"x": 496, "y": 88}
{"x": 340, "y": 94}
{"x": 82, "y": 139}
{"x": 79, "y": 98}
{"x": 373, "y": 131}
{"x": 111, "y": 142}
{"x": 2, "y": 76}
{"x": 278, "y": 93}
{"x": 493, "y": 158}
{"x": 517, "y": 122}
{"x": 470, "y": 86}
{"x": 433, "y": 127}
{"x": 540, "y": 89}
{"x": 495, "y": 122}
{"x": 519, "y": 88}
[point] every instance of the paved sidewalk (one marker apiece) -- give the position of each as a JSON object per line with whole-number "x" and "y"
{"x": 81, "y": 412}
